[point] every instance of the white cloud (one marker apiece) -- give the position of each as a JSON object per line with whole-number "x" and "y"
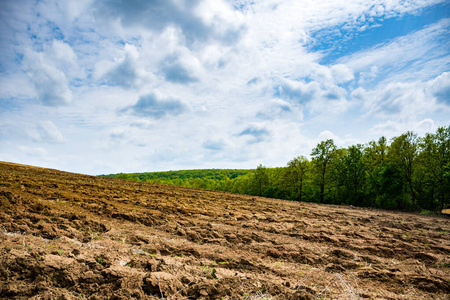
{"x": 392, "y": 128}
{"x": 299, "y": 91}
{"x": 219, "y": 15}
{"x": 424, "y": 126}
{"x": 341, "y": 73}
{"x": 64, "y": 58}
{"x": 17, "y": 86}
{"x": 336, "y": 74}
{"x": 51, "y": 71}
{"x": 63, "y": 13}
{"x": 156, "y": 105}
{"x": 199, "y": 21}
{"x": 318, "y": 99}
{"x": 440, "y": 88}
{"x": 126, "y": 71}
{"x": 33, "y": 151}
{"x": 215, "y": 145}
{"x": 181, "y": 69}
{"x": 339, "y": 141}
{"x": 326, "y": 135}
{"x": 278, "y": 108}
{"x": 50, "y": 83}
{"x": 398, "y": 99}
{"x": 405, "y": 100}
{"x": 47, "y": 132}
{"x": 254, "y": 133}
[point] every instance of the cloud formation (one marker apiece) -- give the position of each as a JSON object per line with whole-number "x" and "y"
{"x": 199, "y": 20}
{"x": 50, "y": 83}
{"x": 298, "y": 90}
{"x": 440, "y": 88}
{"x": 175, "y": 71}
{"x": 214, "y": 145}
{"x": 123, "y": 72}
{"x": 45, "y": 132}
{"x": 156, "y": 105}
{"x": 48, "y": 132}
{"x": 256, "y": 132}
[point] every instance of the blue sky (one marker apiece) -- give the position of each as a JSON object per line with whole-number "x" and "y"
{"x": 342, "y": 40}
{"x": 126, "y": 86}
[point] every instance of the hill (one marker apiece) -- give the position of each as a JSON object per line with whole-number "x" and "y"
{"x": 214, "y": 174}
{"x": 72, "y": 236}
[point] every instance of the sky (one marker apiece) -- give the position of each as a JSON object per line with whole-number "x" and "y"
{"x": 109, "y": 86}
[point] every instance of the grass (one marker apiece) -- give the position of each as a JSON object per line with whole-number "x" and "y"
{"x": 209, "y": 271}
{"x": 259, "y": 296}
{"x": 351, "y": 291}
{"x": 99, "y": 260}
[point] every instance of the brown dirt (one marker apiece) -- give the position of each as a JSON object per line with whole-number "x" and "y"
{"x": 71, "y": 236}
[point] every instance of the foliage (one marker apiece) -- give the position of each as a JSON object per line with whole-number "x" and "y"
{"x": 409, "y": 173}
{"x": 323, "y": 156}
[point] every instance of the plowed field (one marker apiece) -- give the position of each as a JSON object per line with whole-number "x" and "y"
{"x": 71, "y": 236}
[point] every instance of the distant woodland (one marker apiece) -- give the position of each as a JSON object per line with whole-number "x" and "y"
{"x": 408, "y": 172}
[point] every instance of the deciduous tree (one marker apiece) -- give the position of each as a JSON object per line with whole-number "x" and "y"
{"x": 322, "y": 157}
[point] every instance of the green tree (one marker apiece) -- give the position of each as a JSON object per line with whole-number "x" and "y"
{"x": 435, "y": 160}
{"x": 349, "y": 174}
{"x": 375, "y": 157}
{"x": 124, "y": 176}
{"x": 403, "y": 152}
{"x": 260, "y": 180}
{"x": 356, "y": 172}
{"x": 392, "y": 183}
{"x": 294, "y": 176}
{"x": 322, "y": 157}
{"x": 336, "y": 178}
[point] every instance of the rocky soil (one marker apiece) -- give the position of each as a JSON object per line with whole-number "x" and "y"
{"x": 71, "y": 236}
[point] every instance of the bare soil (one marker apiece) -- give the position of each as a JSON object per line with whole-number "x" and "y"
{"x": 71, "y": 236}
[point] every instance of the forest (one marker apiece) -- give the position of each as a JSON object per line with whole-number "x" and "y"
{"x": 407, "y": 173}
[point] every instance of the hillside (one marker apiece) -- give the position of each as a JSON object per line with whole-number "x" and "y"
{"x": 71, "y": 236}
{"x": 217, "y": 174}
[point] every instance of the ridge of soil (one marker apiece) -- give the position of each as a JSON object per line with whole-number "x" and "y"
{"x": 72, "y": 236}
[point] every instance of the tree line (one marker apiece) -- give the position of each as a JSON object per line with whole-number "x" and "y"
{"x": 408, "y": 172}
{"x": 182, "y": 175}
